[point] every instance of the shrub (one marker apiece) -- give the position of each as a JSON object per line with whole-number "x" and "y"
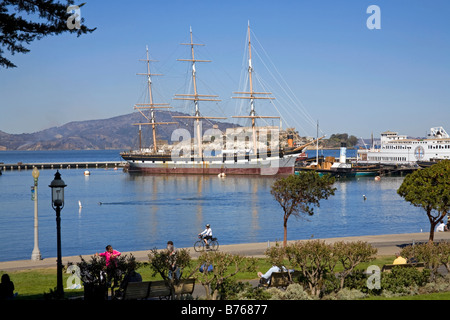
{"x": 441, "y": 284}
{"x": 347, "y": 294}
{"x": 251, "y": 293}
{"x": 402, "y": 280}
{"x": 162, "y": 262}
{"x": 97, "y": 277}
{"x": 351, "y": 254}
{"x": 294, "y": 291}
{"x": 315, "y": 260}
{"x": 356, "y": 280}
{"x": 224, "y": 267}
{"x": 433, "y": 255}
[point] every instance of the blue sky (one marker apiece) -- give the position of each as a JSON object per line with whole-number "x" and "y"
{"x": 340, "y": 73}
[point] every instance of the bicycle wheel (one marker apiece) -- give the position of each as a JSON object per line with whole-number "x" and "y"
{"x": 214, "y": 245}
{"x": 199, "y": 246}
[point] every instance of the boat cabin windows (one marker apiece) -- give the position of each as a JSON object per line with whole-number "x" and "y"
{"x": 439, "y": 146}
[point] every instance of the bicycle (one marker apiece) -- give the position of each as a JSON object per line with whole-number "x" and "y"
{"x": 199, "y": 245}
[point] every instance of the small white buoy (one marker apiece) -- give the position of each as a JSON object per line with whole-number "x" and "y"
{"x": 377, "y": 178}
{"x": 87, "y": 173}
{"x": 221, "y": 175}
{"x": 79, "y": 204}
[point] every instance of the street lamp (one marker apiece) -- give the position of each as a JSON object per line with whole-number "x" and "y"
{"x": 58, "y": 186}
{"x": 36, "y": 254}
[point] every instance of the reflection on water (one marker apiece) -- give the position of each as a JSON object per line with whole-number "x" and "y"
{"x": 140, "y": 212}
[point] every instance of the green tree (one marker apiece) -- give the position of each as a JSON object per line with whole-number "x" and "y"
{"x": 299, "y": 193}
{"x": 97, "y": 276}
{"x": 162, "y": 261}
{"x": 315, "y": 260}
{"x": 218, "y": 269}
{"x": 22, "y": 22}
{"x": 429, "y": 189}
{"x": 351, "y": 254}
{"x": 336, "y": 139}
{"x": 433, "y": 255}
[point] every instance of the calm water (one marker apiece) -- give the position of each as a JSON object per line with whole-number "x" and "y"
{"x": 140, "y": 212}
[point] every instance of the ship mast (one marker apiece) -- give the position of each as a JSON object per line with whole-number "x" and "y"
{"x": 151, "y": 106}
{"x": 196, "y": 97}
{"x": 252, "y": 95}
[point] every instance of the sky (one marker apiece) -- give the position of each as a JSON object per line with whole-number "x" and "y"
{"x": 319, "y": 59}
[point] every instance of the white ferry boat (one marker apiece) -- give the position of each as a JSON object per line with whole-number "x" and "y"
{"x": 400, "y": 150}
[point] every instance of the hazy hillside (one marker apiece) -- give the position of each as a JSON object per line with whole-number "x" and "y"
{"x": 113, "y": 133}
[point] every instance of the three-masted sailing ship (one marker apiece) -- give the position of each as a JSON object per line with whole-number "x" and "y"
{"x": 243, "y": 151}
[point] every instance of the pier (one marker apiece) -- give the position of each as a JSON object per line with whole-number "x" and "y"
{"x": 62, "y": 165}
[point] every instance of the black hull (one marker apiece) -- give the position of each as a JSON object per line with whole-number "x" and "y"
{"x": 130, "y": 156}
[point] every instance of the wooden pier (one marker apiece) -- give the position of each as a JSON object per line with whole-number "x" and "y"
{"x": 62, "y": 165}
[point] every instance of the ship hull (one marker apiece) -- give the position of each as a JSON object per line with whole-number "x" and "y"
{"x": 267, "y": 166}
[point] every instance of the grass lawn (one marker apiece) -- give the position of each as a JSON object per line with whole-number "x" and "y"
{"x": 34, "y": 283}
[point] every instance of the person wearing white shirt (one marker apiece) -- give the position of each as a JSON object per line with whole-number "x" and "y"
{"x": 441, "y": 227}
{"x": 206, "y": 234}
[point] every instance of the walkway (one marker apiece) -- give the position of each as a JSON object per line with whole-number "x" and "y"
{"x": 386, "y": 245}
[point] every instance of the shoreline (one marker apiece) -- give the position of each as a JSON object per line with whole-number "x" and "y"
{"x": 386, "y": 245}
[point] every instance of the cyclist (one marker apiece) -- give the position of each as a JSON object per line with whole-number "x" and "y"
{"x": 206, "y": 234}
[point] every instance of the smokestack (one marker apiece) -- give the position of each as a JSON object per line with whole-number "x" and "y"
{"x": 343, "y": 155}
{"x": 290, "y": 140}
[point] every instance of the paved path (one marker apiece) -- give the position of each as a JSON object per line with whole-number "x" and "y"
{"x": 386, "y": 245}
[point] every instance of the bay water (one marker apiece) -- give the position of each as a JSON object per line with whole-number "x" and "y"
{"x": 134, "y": 212}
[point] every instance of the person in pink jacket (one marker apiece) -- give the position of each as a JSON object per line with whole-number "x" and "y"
{"x": 109, "y": 254}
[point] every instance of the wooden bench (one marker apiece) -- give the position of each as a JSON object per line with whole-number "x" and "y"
{"x": 389, "y": 267}
{"x": 159, "y": 289}
{"x": 156, "y": 289}
{"x": 136, "y": 290}
{"x": 185, "y": 286}
{"x": 145, "y": 290}
{"x": 281, "y": 279}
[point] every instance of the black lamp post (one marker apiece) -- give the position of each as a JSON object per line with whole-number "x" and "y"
{"x": 58, "y": 186}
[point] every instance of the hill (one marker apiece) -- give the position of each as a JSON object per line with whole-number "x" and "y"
{"x": 113, "y": 133}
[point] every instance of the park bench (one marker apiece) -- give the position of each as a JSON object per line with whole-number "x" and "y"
{"x": 157, "y": 289}
{"x": 281, "y": 279}
{"x": 136, "y": 290}
{"x": 389, "y": 267}
{"x": 185, "y": 287}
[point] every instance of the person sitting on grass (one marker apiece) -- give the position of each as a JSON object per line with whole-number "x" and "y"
{"x": 6, "y": 288}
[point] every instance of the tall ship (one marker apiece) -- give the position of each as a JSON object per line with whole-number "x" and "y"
{"x": 248, "y": 150}
{"x": 400, "y": 150}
